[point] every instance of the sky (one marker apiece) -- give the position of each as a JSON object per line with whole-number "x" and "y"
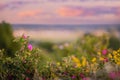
{"x": 60, "y": 11}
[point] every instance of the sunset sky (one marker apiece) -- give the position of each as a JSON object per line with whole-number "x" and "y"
{"x": 60, "y": 11}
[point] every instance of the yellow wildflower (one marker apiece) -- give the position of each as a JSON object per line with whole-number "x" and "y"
{"x": 118, "y": 50}
{"x": 101, "y": 58}
{"x": 99, "y": 53}
{"x": 58, "y": 63}
{"x": 115, "y": 57}
{"x": 77, "y": 61}
{"x": 109, "y": 55}
{"x": 114, "y": 52}
{"x": 84, "y": 62}
{"x": 94, "y": 59}
{"x": 78, "y": 64}
{"x": 118, "y": 63}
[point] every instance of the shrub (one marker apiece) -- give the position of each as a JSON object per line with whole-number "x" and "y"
{"x": 23, "y": 65}
{"x": 6, "y": 40}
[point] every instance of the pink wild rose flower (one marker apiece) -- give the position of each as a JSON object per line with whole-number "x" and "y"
{"x": 112, "y": 75}
{"x": 73, "y": 77}
{"x": 104, "y": 52}
{"x": 24, "y": 36}
{"x": 30, "y": 47}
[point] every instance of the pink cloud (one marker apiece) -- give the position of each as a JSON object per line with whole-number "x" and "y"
{"x": 74, "y": 11}
{"x": 118, "y": 12}
{"x": 3, "y": 6}
{"x": 30, "y": 13}
{"x": 66, "y": 12}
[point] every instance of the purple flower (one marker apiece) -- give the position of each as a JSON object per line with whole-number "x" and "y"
{"x": 73, "y": 77}
{"x": 30, "y": 47}
{"x": 104, "y": 52}
{"x": 112, "y": 75}
{"x": 85, "y": 79}
{"x": 82, "y": 75}
{"x": 65, "y": 73}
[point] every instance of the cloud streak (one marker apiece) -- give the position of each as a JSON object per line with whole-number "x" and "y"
{"x": 15, "y": 4}
{"x": 72, "y": 11}
{"x": 80, "y": 0}
{"x": 30, "y": 13}
{"x": 65, "y": 11}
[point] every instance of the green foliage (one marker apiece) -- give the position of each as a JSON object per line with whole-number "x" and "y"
{"x": 46, "y": 45}
{"x": 88, "y": 45}
{"x": 6, "y": 40}
{"x": 114, "y": 43}
{"x": 23, "y": 65}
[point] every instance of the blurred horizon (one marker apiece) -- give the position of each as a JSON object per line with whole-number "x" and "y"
{"x": 61, "y": 33}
